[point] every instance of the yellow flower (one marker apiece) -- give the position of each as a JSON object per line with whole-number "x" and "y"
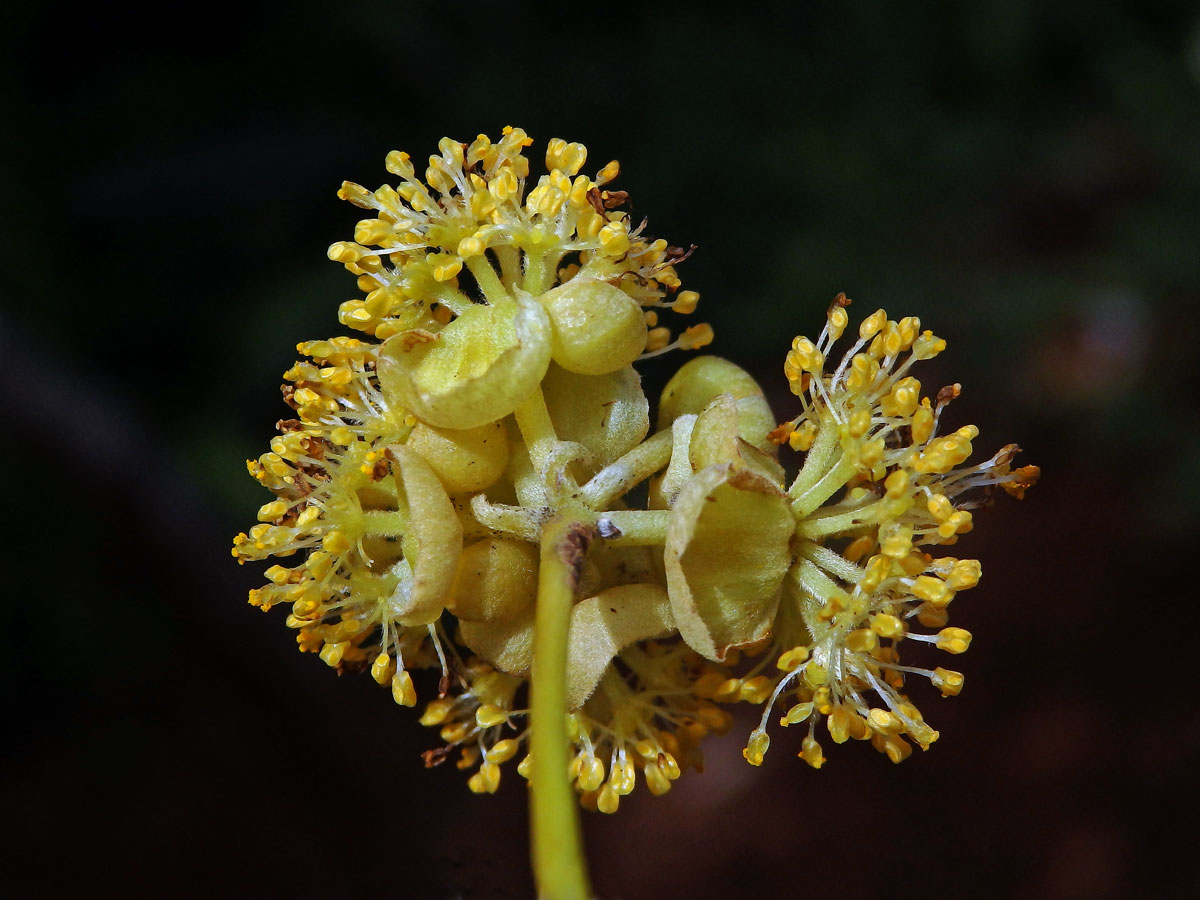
{"x": 432, "y": 480}
{"x": 878, "y": 485}
{"x": 471, "y": 233}
{"x": 417, "y": 474}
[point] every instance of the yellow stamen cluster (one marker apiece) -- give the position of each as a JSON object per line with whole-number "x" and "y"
{"x": 468, "y": 230}
{"x": 651, "y": 722}
{"x": 878, "y": 484}
{"x": 336, "y": 501}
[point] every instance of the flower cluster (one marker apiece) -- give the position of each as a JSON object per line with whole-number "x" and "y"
{"x": 494, "y": 392}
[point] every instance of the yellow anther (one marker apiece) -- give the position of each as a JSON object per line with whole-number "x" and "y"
{"x": 729, "y": 690}
{"x": 884, "y": 721}
{"x": 331, "y": 654}
{"x": 928, "y": 345}
{"x": 940, "y": 507}
{"x": 960, "y": 522}
{"x": 897, "y": 543}
{"x": 860, "y": 423}
{"x": 504, "y": 185}
{"x": 863, "y": 372}
{"x": 954, "y": 640}
{"x": 895, "y": 747}
{"x": 822, "y": 700}
{"x": 806, "y": 356}
{"x": 278, "y": 574}
{"x": 591, "y": 774}
{"x": 879, "y": 567}
{"x": 503, "y": 750}
{"x": 468, "y": 758}
{"x": 839, "y": 724}
{"x": 696, "y": 336}
{"x": 608, "y": 173}
{"x": 319, "y": 562}
{"x": 838, "y": 319}
{"x": 476, "y": 785}
{"x": 436, "y": 711}
{"x": 614, "y": 239}
{"x": 657, "y": 338}
{"x": 381, "y": 668}
{"x": 490, "y": 773}
{"x": 525, "y": 766}
{"x": 756, "y": 689}
{"x": 608, "y": 800}
{"x": 932, "y": 590}
{"x": 657, "y": 783}
{"x": 455, "y": 732}
{"x": 949, "y": 682}
{"x": 871, "y": 453}
{"x": 336, "y": 542}
{"x": 399, "y": 163}
{"x": 801, "y": 440}
{"x": 756, "y": 747}
{"x": 403, "y": 691}
{"x": 858, "y": 548}
{"x": 444, "y": 266}
{"x": 897, "y": 483}
{"x": 887, "y": 626}
{"x": 815, "y": 675}
{"x": 902, "y": 400}
{"x": 488, "y": 716}
{"x": 932, "y": 616}
{"x": 797, "y": 714}
{"x": 965, "y": 574}
{"x": 909, "y": 327}
{"x": 470, "y": 246}
{"x": 790, "y": 659}
{"x": 707, "y": 685}
{"x": 669, "y": 765}
{"x": 685, "y": 302}
{"x": 872, "y": 324}
{"x": 862, "y": 640}
{"x": 922, "y": 423}
{"x": 811, "y": 753}
{"x": 621, "y": 777}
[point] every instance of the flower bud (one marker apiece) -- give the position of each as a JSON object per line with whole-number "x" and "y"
{"x": 465, "y": 460}
{"x": 597, "y": 328}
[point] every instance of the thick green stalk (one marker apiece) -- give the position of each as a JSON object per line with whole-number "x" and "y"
{"x": 559, "y": 867}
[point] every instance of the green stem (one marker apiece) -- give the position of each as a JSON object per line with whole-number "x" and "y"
{"x": 487, "y": 279}
{"x": 636, "y": 527}
{"x": 818, "y": 460}
{"x": 815, "y": 528}
{"x": 558, "y": 863}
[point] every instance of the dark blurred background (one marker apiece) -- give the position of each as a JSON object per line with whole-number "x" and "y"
{"x": 1025, "y": 176}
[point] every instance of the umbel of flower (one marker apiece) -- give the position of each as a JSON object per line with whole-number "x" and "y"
{"x": 496, "y": 396}
{"x": 476, "y": 286}
{"x": 420, "y": 468}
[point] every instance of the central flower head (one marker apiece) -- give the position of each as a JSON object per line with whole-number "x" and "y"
{"x": 477, "y": 284}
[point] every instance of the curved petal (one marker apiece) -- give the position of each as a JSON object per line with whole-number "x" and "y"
{"x": 715, "y": 440}
{"x": 603, "y": 625}
{"x": 432, "y": 538}
{"x": 727, "y": 551}
{"x": 480, "y": 368}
